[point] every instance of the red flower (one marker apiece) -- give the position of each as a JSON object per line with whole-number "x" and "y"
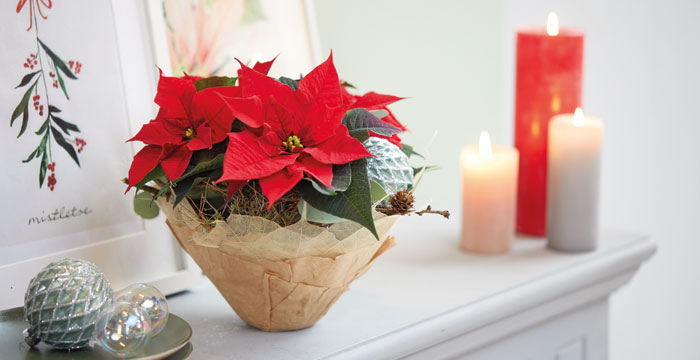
{"x": 299, "y": 132}
{"x": 187, "y": 121}
{"x": 375, "y": 101}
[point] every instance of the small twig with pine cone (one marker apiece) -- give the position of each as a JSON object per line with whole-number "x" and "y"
{"x": 402, "y": 204}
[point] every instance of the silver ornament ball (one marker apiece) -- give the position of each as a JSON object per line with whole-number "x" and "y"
{"x": 149, "y": 299}
{"x": 63, "y": 302}
{"x": 390, "y": 168}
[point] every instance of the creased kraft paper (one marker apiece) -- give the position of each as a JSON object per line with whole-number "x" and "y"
{"x": 278, "y": 278}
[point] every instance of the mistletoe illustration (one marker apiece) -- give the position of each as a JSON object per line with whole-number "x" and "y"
{"x": 46, "y": 67}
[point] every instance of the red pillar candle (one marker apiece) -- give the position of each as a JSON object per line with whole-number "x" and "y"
{"x": 548, "y": 82}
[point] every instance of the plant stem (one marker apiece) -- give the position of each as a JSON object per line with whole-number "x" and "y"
{"x": 43, "y": 79}
{"x": 145, "y": 188}
{"x": 428, "y": 210}
{"x": 387, "y": 210}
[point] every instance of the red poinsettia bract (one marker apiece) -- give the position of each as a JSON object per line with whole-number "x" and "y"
{"x": 187, "y": 121}
{"x": 294, "y": 132}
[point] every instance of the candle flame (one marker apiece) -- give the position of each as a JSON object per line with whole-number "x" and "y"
{"x": 552, "y": 24}
{"x": 484, "y": 145}
{"x": 578, "y": 117}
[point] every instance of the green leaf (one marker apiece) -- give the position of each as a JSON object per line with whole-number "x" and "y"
{"x": 39, "y": 151}
{"x": 294, "y": 84}
{"x": 163, "y": 190}
{"x": 63, "y": 85}
{"x": 316, "y": 215}
{"x": 144, "y": 206}
{"x": 214, "y": 81}
{"x": 65, "y": 144}
{"x": 361, "y": 119}
{"x": 408, "y": 150}
{"x": 65, "y": 125}
{"x": 347, "y": 84}
{"x": 156, "y": 173}
{"x": 416, "y": 170}
{"x": 42, "y": 169}
{"x": 25, "y": 120}
{"x": 215, "y": 163}
{"x": 42, "y": 144}
{"x": 53, "y": 109}
{"x": 200, "y": 168}
{"x": 43, "y": 127}
{"x": 353, "y": 204}
{"x": 182, "y": 188}
{"x": 376, "y": 191}
{"x": 23, "y": 104}
{"x": 59, "y": 64}
{"x": 341, "y": 180}
{"x": 360, "y": 134}
{"x": 323, "y": 189}
{"x": 342, "y": 177}
{"x": 31, "y": 156}
{"x": 27, "y": 78}
{"x": 380, "y": 113}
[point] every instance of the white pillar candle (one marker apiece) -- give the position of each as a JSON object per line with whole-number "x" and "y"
{"x": 489, "y": 185}
{"x": 573, "y": 181}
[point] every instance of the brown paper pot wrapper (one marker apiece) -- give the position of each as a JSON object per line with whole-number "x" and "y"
{"x": 278, "y": 278}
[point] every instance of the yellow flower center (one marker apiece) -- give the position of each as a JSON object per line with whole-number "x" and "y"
{"x": 293, "y": 144}
{"x": 189, "y": 133}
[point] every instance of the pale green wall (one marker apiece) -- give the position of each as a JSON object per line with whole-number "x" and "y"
{"x": 446, "y": 56}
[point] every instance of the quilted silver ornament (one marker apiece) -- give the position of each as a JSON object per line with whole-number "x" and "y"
{"x": 389, "y": 168}
{"x": 63, "y": 302}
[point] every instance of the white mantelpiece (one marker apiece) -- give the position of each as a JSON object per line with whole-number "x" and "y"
{"x": 425, "y": 299}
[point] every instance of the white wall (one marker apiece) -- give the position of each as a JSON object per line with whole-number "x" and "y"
{"x": 446, "y": 58}
{"x": 642, "y": 76}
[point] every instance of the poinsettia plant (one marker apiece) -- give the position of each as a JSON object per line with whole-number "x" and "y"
{"x": 275, "y": 148}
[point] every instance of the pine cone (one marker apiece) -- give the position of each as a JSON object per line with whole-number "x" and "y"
{"x": 402, "y": 201}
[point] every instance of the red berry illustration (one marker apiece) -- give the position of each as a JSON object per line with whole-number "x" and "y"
{"x": 80, "y": 143}
{"x": 31, "y": 61}
{"x": 52, "y": 181}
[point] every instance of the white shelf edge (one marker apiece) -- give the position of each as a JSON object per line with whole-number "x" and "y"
{"x": 595, "y": 278}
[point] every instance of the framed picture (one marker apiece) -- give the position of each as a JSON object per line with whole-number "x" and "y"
{"x": 206, "y": 37}
{"x": 77, "y": 80}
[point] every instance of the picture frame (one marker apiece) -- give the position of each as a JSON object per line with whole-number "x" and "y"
{"x": 148, "y": 252}
{"x": 286, "y": 30}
